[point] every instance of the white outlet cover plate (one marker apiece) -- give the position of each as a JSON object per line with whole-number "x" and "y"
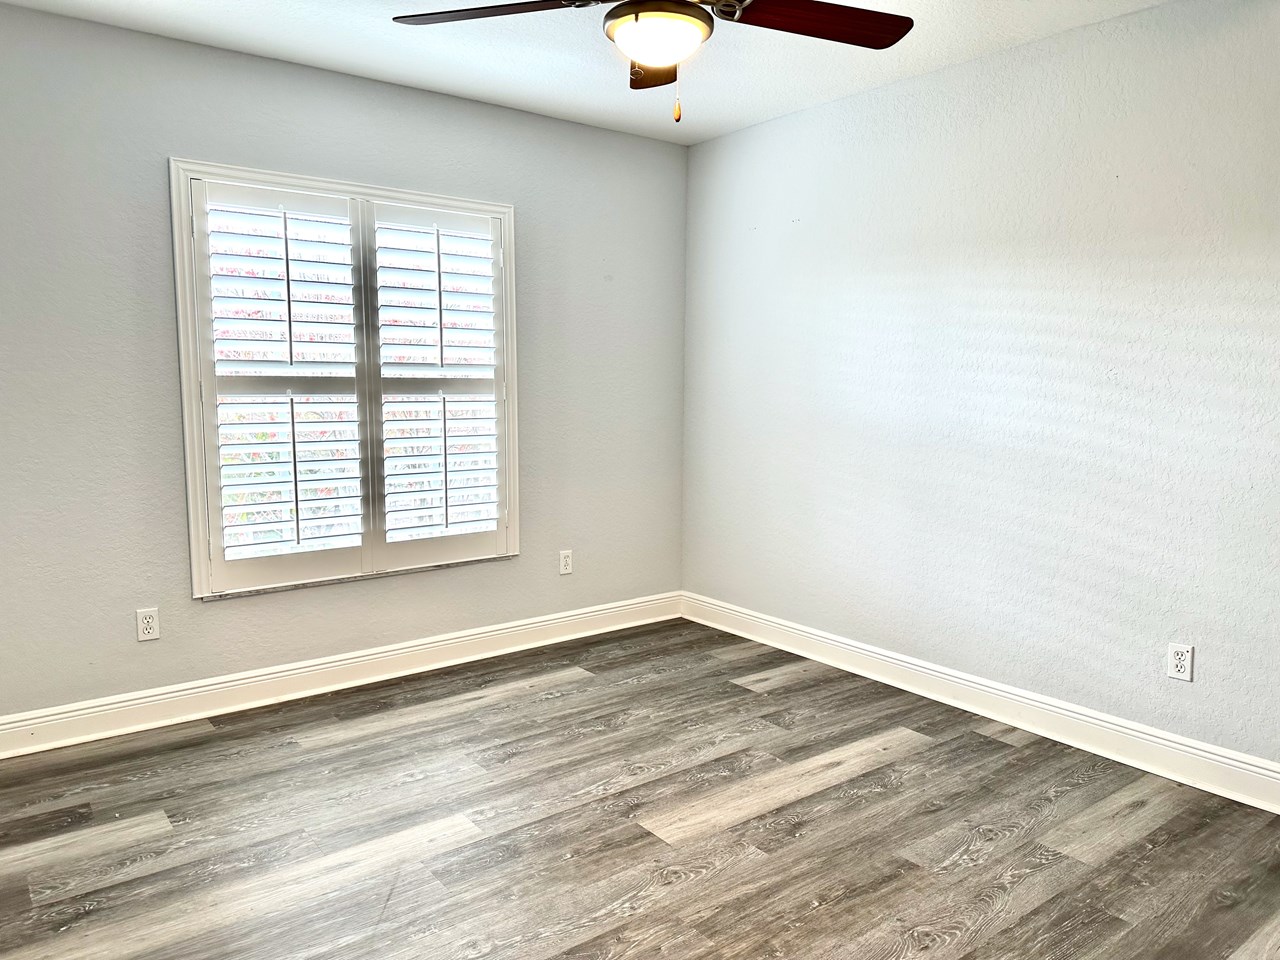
{"x": 148, "y": 622}
{"x": 1181, "y": 661}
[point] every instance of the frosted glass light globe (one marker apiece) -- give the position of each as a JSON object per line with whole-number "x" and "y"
{"x": 657, "y": 34}
{"x": 658, "y": 39}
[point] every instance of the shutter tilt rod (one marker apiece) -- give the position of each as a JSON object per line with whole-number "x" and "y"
{"x": 288, "y": 287}
{"x": 293, "y": 450}
{"x": 444, "y": 448}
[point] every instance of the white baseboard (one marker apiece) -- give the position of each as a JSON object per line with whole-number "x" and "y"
{"x": 1241, "y": 777}
{"x": 127, "y": 713}
{"x": 1238, "y": 776}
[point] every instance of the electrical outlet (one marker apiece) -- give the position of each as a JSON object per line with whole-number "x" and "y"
{"x": 148, "y": 624}
{"x": 566, "y": 562}
{"x": 1182, "y": 661}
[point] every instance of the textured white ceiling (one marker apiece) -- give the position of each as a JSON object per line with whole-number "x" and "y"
{"x": 559, "y": 63}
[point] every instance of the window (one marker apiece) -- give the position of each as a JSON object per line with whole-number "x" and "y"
{"x": 348, "y": 378}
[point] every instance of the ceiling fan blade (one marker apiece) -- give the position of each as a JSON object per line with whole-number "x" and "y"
{"x": 642, "y": 77}
{"x": 477, "y": 13}
{"x": 828, "y": 21}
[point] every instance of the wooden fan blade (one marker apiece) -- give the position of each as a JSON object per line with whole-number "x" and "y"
{"x": 478, "y": 13}
{"x": 642, "y": 77}
{"x": 828, "y": 21}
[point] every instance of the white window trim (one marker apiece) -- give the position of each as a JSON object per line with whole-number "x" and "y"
{"x": 181, "y": 174}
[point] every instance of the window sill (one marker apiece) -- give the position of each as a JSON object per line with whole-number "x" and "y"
{"x": 279, "y": 588}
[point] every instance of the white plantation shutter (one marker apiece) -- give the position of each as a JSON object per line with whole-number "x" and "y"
{"x": 436, "y": 274}
{"x": 282, "y": 329}
{"x": 351, "y": 412}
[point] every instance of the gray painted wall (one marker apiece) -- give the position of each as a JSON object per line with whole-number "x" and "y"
{"x": 94, "y": 523}
{"x": 984, "y": 368}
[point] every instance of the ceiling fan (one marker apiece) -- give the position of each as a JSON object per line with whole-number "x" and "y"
{"x": 657, "y": 35}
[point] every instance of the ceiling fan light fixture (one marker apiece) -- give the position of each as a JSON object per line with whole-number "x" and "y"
{"x": 658, "y": 33}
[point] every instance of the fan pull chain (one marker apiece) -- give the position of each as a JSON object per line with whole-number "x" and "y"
{"x": 677, "y": 112}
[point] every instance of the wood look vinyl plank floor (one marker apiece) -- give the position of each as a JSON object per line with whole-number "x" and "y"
{"x": 668, "y": 792}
